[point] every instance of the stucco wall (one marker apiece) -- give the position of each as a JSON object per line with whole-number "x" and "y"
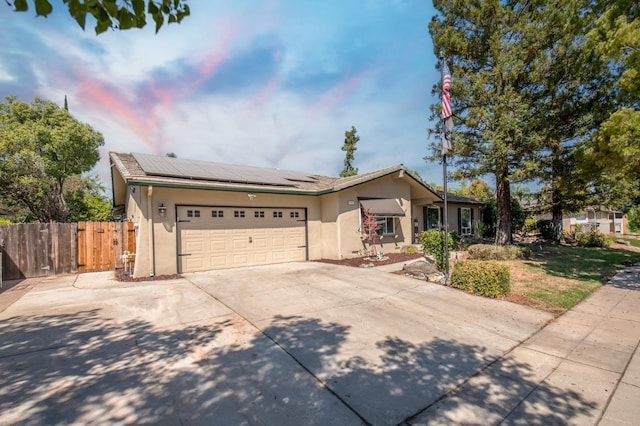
{"x": 163, "y": 236}
{"x": 333, "y": 220}
{"x": 351, "y": 244}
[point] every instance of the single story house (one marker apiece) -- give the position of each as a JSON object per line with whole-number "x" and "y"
{"x": 194, "y": 215}
{"x": 604, "y": 219}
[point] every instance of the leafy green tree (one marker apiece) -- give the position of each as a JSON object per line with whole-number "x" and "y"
{"x": 350, "y": 140}
{"x": 86, "y": 200}
{"x": 633, "y": 216}
{"x": 113, "y": 14}
{"x": 41, "y": 147}
{"x": 613, "y": 153}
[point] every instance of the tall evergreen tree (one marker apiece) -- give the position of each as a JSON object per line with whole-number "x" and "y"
{"x": 350, "y": 140}
{"x": 569, "y": 95}
{"x": 481, "y": 40}
{"x": 525, "y": 94}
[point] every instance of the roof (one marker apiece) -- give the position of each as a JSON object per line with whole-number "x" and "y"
{"x": 453, "y": 198}
{"x": 145, "y": 169}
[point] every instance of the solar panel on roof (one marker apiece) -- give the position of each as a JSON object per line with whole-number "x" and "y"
{"x": 178, "y": 167}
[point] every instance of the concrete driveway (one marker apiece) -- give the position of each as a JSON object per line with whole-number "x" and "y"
{"x": 298, "y": 343}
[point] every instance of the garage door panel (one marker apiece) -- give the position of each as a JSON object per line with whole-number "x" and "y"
{"x": 196, "y": 246}
{"x": 218, "y": 239}
{"x": 218, "y": 261}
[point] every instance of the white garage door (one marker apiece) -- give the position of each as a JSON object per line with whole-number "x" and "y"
{"x": 228, "y": 237}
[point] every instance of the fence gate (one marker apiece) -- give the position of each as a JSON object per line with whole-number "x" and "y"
{"x": 101, "y": 245}
{"x": 40, "y": 249}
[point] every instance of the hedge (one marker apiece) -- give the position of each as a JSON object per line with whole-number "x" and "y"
{"x": 488, "y": 279}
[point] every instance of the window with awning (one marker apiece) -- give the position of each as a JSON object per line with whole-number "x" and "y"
{"x": 387, "y": 207}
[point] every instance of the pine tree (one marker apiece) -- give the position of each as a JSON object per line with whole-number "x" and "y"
{"x": 350, "y": 140}
{"x": 523, "y": 93}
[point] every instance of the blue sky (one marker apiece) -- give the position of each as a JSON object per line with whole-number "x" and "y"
{"x": 261, "y": 83}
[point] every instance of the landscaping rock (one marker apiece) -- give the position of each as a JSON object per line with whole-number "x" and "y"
{"x": 420, "y": 269}
{"x": 626, "y": 243}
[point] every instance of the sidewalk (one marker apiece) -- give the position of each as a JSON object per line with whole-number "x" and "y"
{"x": 583, "y": 368}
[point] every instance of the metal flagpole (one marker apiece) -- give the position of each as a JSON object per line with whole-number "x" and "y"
{"x": 446, "y": 145}
{"x": 446, "y": 219}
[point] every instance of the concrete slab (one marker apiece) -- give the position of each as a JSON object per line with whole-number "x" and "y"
{"x": 309, "y": 343}
{"x": 572, "y": 394}
{"x": 624, "y": 408}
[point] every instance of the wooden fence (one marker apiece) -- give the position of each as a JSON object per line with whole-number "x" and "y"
{"x": 42, "y": 249}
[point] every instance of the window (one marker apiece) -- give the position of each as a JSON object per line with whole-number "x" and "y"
{"x": 295, "y": 214}
{"x": 258, "y": 213}
{"x": 238, "y": 213}
{"x": 217, "y": 213}
{"x": 193, "y": 213}
{"x": 433, "y": 218}
{"x": 196, "y": 213}
{"x": 277, "y": 214}
{"x": 387, "y": 226}
{"x": 465, "y": 221}
{"x": 189, "y": 213}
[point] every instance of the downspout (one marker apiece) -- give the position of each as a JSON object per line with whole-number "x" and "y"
{"x": 152, "y": 249}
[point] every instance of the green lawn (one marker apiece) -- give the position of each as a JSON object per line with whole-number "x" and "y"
{"x": 560, "y": 277}
{"x": 635, "y": 243}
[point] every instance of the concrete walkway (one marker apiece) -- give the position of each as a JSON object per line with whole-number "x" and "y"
{"x": 583, "y": 368}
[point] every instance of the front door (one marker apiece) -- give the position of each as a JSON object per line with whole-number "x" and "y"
{"x": 431, "y": 218}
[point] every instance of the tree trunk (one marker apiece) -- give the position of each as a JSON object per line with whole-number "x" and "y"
{"x": 503, "y": 207}
{"x": 556, "y": 215}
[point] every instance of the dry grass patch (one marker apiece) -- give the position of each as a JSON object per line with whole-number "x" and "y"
{"x": 560, "y": 277}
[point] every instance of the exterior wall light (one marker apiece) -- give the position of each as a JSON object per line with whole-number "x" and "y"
{"x": 162, "y": 210}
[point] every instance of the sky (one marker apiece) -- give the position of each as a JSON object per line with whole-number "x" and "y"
{"x": 270, "y": 83}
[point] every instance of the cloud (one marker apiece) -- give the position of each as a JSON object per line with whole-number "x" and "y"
{"x": 271, "y": 84}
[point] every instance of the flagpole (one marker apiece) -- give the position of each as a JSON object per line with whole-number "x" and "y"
{"x": 445, "y": 148}
{"x": 446, "y": 217}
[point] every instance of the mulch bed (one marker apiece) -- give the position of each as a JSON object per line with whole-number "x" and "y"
{"x": 387, "y": 259}
{"x": 126, "y": 278}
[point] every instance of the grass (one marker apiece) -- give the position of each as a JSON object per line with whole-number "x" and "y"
{"x": 634, "y": 243}
{"x": 560, "y": 277}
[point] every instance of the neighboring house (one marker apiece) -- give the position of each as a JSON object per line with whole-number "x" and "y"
{"x": 606, "y": 220}
{"x": 197, "y": 216}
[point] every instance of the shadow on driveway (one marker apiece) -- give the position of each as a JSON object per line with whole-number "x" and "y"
{"x": 83, "y": 368}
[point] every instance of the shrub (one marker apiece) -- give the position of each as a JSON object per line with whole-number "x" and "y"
{"x": 488, "y": 279}
{"x": 409, "y": 250}
{"x": 433, "y": 245}
{"x": 495, "y": 252}
{"x": 592, "y": 239}
{"x": 530, "y": 225}
{"x": 545, "y": 227}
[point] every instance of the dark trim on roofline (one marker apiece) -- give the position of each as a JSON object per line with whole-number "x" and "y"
{"x": 134, "y": 182}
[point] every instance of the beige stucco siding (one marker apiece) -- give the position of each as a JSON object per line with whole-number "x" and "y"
{"x": 350, "y": 243}
{"x": 163, "y": 235}
{"x": 332, "y": 227}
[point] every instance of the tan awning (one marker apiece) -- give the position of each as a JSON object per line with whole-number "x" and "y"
{"x": 382, "y": 207}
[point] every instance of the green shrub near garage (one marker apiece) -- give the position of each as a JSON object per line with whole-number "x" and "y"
{"x": 488, "y": 279}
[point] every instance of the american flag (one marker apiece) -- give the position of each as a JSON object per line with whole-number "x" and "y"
{"x": 447, "y": 120}
{"x": 446, "y": 97}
